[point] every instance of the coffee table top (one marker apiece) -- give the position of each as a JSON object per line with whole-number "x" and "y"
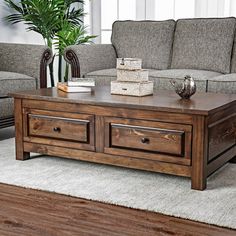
{"x": 200, "y": 103}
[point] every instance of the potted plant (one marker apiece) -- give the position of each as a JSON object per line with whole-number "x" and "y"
{"x": 58, "y": 21}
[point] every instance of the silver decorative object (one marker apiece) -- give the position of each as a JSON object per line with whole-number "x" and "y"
{"x": 185, "y": 89}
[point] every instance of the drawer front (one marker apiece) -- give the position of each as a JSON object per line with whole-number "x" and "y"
{"x": 59, "y": 128}
{"x": 148, "y": 139}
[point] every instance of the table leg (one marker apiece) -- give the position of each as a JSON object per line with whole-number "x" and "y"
{"x": 199, "y": 157}
{"x": 20, "y": 154}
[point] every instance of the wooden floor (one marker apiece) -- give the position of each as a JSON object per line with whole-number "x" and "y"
{"x": 25, "y": 212}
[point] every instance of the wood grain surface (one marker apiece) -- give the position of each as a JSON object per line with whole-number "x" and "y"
{"x": 25, "y": 212}
{"x": 200, "y": 103}
{"x": 159, "y": 133}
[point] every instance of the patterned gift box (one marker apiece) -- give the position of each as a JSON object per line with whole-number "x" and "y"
{"x": 132, "y": 88}
{"x": 132, "y": 75}
{"x": 129, "y": 63}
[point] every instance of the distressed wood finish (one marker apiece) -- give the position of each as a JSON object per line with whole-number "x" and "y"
{"x": 199, "y": 155}
{"x": 118, "y": 160}
{"x": 163, "y": 101}
{"x": 158, "y": 137}
{"x": 160, "y": 133}
{"x": 29, "y": 212}
{"x": 20, "y": 153}
{"x": 69, "y": 129}
{"x": 100, "y": 136}
{"x": 58, "y": 127}
{"x": 104, "y": 111}
{"x": 147, "y": 139}
{"x": 222, "y": 135}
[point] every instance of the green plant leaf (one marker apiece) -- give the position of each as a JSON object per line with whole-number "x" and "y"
{"x": 58, "y": 21}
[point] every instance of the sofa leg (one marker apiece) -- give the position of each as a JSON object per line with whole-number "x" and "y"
{"x": 233, "y": 160}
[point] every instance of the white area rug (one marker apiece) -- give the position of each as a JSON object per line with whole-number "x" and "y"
{"x": 161, "y": 193}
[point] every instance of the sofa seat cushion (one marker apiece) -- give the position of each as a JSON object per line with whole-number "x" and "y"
{"x": 204, "y": 44}
{"x": 10, "y": 82}
{"x": 6, "y": 107}
{"x": 162, "y": 78}
{"x": 222, "y": 84}
{"x": 149, "y": 40}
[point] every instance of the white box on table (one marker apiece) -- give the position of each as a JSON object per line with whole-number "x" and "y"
{"x": 129, "y": 63}
{"x": 132, "y": 75}
{"x": 131, "y": 88}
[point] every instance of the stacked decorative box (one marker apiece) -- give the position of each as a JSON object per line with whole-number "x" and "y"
{"x": 131, "y": 78}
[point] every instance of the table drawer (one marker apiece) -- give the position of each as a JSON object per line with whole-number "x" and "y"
{"x": 59, "y": 128}
{"x": 155, "y": 139}
{"x": 147, "y": 138}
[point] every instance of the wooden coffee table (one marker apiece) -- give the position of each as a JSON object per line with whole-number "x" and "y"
{"x": 160, "y": 133}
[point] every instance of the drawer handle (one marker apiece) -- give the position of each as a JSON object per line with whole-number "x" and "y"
{"x": 145, "y": 140}
{"x": 124, "y": 89}
{"x": 57, "y": 129}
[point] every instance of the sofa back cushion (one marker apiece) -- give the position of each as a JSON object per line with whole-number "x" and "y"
{"x": 204, "y": 44}
{"x": 149, "y": 40}
{"x": 233, "y": 61}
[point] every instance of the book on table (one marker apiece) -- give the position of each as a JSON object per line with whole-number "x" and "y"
{"x": 85, "y": 82}
{"x": 78, "y": 89}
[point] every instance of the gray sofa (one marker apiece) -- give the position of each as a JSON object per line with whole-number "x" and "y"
{"x": 22, "y": 67}
{"x": 203, "y": 48}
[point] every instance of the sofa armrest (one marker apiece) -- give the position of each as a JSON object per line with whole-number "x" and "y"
{"x": 88, "y": 58}
{"x": 31, "y": 60}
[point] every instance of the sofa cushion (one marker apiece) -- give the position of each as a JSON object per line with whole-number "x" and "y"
{"x": 149, "y": 40}
{"x": 204, "y": 44}
{"x": 222, "y": 84}
{"x": 6, "y": 107}
{"x": 10, "y": 82}
{"x": 233, "y": 60}
{"x": 162, "y": 78}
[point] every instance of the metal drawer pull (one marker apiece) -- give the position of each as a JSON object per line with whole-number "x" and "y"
{"x": 145, "y": 140}
{"x": 124, "y": 89}
{"x": 57, "y": 129}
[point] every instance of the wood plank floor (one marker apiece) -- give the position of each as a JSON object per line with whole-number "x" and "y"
{"x": 25, "y": 212}
{"x": 31, "y": 212}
